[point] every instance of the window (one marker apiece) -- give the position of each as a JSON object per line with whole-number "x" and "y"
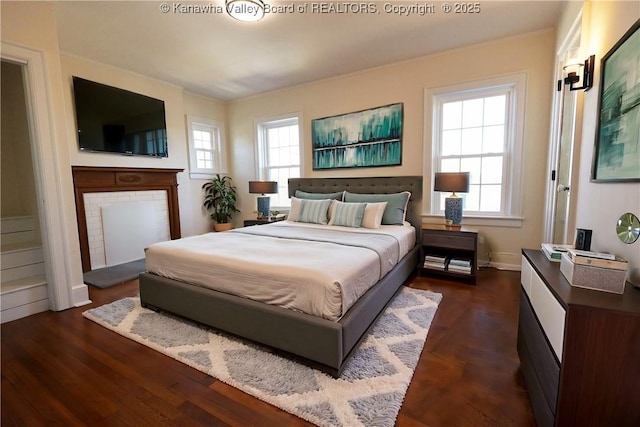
{"x": 206, "y": 148}
{"x": 279, "y": 155}
{"x": 478, "y": 130}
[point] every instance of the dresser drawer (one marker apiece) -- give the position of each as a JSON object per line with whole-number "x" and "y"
{"x": 549, "y": 312}
{"x": 526, "y": 272}
{"x": 543, "y": 364}
{"x": 448, "y": 241}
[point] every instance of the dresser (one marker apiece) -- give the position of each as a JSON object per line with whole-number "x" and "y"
{"x": 579, "y": 349}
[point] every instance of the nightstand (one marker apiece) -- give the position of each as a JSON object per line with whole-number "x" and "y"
{"x": 450, "y": 252}
{"x": 261, "y": 221}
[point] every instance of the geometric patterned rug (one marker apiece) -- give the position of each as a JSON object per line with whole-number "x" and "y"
{"x": 369, "y": 392}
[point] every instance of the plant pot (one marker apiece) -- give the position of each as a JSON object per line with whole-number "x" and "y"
{"x": 223, "y": 226}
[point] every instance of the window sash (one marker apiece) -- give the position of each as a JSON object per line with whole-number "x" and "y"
{"x": 273, "y": 169}
{"x": 474, "y": 202}
{"x": 206, "y": 154}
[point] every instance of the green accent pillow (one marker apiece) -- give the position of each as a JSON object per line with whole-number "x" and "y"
{"x": 318, "y": 196}
{"x": 394, "y": 212}
{"x": 347, "y": 214}
{"x": 314, "y": 211}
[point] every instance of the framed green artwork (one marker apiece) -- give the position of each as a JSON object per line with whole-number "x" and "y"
{"x": 617, "y": 149}
{"x": 367, "y": 138}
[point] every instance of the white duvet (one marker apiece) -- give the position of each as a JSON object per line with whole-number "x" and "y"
{"x": 293, "y": 265}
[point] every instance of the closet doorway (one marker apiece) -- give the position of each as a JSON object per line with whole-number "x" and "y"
{"x": 24, "y": 285}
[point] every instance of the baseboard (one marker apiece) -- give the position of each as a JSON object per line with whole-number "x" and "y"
{"x": 25, "y": 310}
{"x": 503, "y": 266}
{"x": 80, "y": 295}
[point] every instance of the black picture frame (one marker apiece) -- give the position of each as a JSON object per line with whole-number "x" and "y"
{"x": 616, "y": 156}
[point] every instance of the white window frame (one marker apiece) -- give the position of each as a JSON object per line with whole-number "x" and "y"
{"x": 219, "y": 147}
{"x": 515, "y": 86}
{"x": 262, "y": 124}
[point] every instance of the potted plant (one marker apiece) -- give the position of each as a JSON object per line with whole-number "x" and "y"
{"x": 220, "y": 200}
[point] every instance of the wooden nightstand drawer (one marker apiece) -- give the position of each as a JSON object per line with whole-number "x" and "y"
{"x": 250, "y": 222}
{"x": 448, "y": 241}
{"x": 450, "y": 252}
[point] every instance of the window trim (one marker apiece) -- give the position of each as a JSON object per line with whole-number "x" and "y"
{"x": 260, "y": 125}
{"x": 512, "y": 212}
{"x": 220, "y": 154}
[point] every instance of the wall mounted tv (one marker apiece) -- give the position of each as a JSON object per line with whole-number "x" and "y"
{"x": 115, "y": 120}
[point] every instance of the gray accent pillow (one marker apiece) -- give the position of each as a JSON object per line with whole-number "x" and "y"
{"x": 394, "y": 212}
{"x": 317, "y": 196}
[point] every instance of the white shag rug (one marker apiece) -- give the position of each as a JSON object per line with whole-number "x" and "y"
{"x": 369, "y": 392}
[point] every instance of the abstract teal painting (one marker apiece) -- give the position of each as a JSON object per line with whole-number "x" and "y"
{"x": 365, "y": 138}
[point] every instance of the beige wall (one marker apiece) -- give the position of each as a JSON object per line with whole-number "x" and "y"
{"x": 405, "y": 82}
{"x": 193, "y": 220}
{"x": 32, "y": 25}
{"x": 199, "y": 106}
{"x": 600, "y": 204}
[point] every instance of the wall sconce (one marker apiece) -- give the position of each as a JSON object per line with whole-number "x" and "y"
{"x": 264, "y": 202}
{"x": 245, "y": 10}
{"x": 577, "y": 71}
{"x": 452, "y": 181}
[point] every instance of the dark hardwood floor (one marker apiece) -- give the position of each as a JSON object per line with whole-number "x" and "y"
{"x": 61, "y": 369}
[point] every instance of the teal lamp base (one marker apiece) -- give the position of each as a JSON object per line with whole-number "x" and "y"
{"x": 264, "y": 203}
{"x": 453, "y": 210}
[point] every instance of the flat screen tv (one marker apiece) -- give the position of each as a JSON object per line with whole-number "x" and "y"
{"x": 115, "y": 120}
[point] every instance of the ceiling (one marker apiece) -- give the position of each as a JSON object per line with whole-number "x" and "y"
{"x": 214, "y": 55}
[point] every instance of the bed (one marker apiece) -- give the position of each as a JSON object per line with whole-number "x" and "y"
{"x": 323, "y": 340}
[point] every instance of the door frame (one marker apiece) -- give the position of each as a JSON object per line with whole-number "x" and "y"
{"x": 573, "y": 39}
{"x": 59, "y": 267}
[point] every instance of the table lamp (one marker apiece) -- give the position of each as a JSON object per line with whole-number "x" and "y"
{"x": 262, "y": 188}
{"x": 452, "y": 181}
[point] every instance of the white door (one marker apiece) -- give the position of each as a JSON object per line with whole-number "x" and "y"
{"x": 565, "y": 134}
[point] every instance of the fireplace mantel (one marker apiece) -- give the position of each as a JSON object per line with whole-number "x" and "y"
{"x": 89, "y": 179}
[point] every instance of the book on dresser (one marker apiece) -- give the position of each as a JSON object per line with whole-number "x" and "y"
{"x": 554, "y": 252}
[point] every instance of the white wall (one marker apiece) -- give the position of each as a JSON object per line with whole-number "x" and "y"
{"x": 405, "y": 82}
{"x": 600, "y": 204}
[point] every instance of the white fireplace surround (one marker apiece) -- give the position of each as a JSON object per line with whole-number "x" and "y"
{"x": 94, "y": 202}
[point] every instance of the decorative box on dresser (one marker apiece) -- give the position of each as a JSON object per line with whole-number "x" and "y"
{"x": 579, "y": 349}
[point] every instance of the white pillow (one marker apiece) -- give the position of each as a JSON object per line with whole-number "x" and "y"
{"x": 294, "y": 212}
{"x": 373, "y": 214}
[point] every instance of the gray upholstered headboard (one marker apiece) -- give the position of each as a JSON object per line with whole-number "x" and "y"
{"x": 385, "y": 185}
